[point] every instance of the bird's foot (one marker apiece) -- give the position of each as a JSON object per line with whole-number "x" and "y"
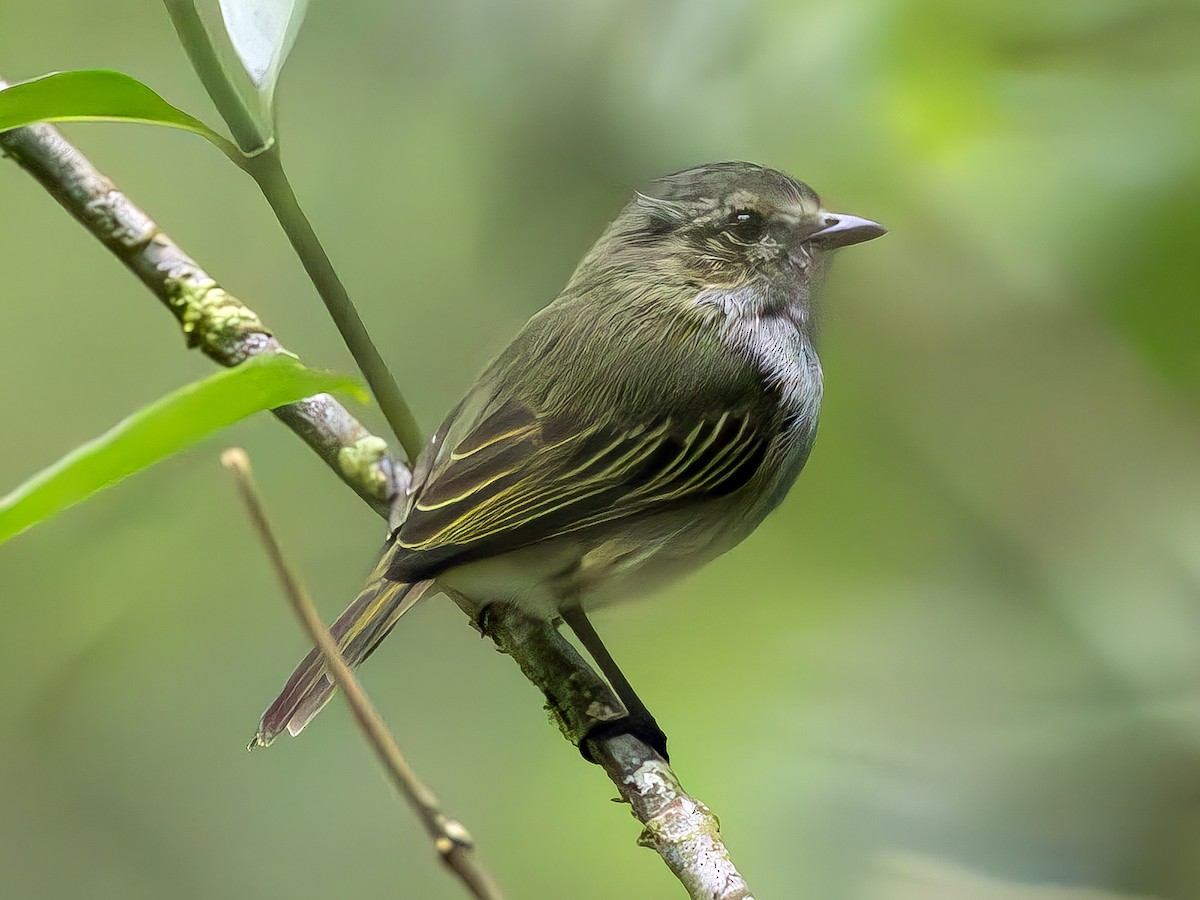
{"x": 642, "y": 727}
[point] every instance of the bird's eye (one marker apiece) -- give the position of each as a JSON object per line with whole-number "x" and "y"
{"x": 747, "y": 224}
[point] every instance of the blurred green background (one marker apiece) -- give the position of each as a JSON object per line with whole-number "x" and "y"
{"x": 963, "y": 658}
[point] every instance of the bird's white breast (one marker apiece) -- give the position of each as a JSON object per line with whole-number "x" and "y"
{"x": 774, "y": 338}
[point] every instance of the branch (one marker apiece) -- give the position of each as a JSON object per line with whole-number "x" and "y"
{"x": 214, "y": 321}
{"x": 679, "y": 827}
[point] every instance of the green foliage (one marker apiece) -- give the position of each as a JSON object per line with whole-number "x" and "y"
{"x": 237, "y": 48}
{"x": 173, "y": 423}
{"x": 96, "y": 95}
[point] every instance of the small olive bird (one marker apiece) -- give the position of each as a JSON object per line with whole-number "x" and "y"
{"x": 641, "y": 424}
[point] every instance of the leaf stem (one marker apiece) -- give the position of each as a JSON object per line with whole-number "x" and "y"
{"x": 267, "y": 171}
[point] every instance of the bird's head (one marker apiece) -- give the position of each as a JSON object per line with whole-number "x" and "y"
{"x": 727, "y": 225}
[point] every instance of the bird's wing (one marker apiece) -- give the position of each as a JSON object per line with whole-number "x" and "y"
{"x": 517, "y": 479}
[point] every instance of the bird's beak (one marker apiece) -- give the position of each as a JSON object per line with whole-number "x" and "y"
{"x": 842, "y": 231}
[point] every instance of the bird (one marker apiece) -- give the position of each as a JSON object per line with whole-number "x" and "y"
{"x": 644, "y": 422}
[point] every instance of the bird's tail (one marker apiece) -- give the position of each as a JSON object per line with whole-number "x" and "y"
{"x": 358, "y": 632}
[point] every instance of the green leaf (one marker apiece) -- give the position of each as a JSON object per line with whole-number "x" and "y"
{"x": 97, "y": 95}
{"x": 238, "y": 48}
{"x": 177, "y": 421}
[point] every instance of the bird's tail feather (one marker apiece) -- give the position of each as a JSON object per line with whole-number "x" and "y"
{"x": 358, "y": 632}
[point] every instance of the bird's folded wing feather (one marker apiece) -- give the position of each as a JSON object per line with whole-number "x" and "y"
{"x": 516, "y": 479}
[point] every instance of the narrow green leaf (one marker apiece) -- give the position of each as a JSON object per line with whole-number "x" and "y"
{"x": 178, "y": 420}
{"x": 97, "y": 95}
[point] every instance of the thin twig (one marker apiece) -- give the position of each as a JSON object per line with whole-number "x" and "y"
{"x": 451, "y": 840}
{"x": 573, "y": 691}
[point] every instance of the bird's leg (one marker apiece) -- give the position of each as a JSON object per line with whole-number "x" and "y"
{"x": 640, "y": 723}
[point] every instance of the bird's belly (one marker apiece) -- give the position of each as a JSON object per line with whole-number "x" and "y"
{"x": 602, "y": 566}
{"x": 628, "y": 559}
